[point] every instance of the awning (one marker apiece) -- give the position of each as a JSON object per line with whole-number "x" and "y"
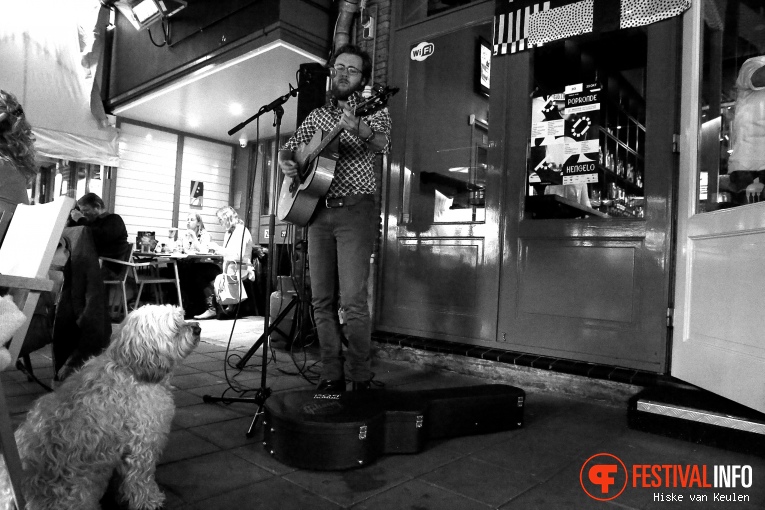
{"x": 75, "y": 147}
{"x": 48, "y": 56}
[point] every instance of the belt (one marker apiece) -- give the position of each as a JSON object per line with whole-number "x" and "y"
{"x": 331, "y": 203}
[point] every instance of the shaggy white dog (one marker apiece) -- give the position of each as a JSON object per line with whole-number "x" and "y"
{"x": 109, "y": 421}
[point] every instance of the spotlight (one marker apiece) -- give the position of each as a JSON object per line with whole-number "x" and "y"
{"x": 143, "y": 13}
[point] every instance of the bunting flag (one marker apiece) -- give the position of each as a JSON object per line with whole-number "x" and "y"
{"x": 523, "y": 24}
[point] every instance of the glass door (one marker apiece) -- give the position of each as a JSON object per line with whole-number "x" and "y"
{"x": 721, "y": 221}
{"x": 588, "y": 217}
{"x": 439, "y": 257}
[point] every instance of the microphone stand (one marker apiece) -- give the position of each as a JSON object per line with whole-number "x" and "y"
{"x": 264, "y": 341}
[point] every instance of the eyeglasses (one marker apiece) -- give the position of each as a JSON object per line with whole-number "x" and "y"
{"x": 352, "y": 71}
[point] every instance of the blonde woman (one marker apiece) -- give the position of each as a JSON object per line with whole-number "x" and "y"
{"x": 236, "y": 251}
{"x": 197, "y": 239}
{"x": 196, "y": 276}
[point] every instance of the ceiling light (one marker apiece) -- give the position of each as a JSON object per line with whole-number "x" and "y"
{"x": 143, "y": 13}
{"x": 235, "y": 109}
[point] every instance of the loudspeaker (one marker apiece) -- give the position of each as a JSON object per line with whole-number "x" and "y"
{"x": 313, "y": 89}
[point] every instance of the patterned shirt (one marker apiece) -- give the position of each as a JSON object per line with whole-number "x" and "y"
{"x": 354, "y": 172}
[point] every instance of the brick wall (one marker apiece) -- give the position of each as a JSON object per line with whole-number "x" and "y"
{"x": 378, "y": 48}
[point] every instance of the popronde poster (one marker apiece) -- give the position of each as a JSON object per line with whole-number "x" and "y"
{"x": 581, "y": 142}
{"x": 564, "y": 136}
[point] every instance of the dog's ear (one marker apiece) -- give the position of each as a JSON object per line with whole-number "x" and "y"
{"x": 146, "y": 344}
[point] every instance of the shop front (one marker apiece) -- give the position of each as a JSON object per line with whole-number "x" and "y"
{"x": 531, "y": 194}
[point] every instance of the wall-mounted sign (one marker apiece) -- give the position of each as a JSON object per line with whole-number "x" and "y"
{"x": 197, "y": 194}
{"x": 483, "y": 61}
{"x": 422, "y": 51}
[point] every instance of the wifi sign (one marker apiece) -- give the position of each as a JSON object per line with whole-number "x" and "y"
{"x": 422, "y": 51}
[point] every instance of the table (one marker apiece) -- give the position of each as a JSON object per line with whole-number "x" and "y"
{"x": 189, "y": 280}
{"x": 190, "y": 257}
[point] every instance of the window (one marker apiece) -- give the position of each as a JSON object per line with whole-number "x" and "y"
{"x": 267, "y": 152}
{"x": 447, "y": 121}
{"x": 417, "y": 10}
{"x": 59, "y": 177}
{"x": 731, "y": 162}
{"x": 587, "y": 139}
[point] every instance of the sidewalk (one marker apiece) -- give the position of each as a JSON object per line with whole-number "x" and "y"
{"x": 210, "y": 464}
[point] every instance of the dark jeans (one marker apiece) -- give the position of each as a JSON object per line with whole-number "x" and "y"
{"x": 195, "y": 278}
{"x": 340, "y": 243}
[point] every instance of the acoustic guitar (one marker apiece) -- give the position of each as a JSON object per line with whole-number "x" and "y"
{"x": 316, "y": 162}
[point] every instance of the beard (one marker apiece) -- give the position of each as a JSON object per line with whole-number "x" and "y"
{"x": 343, "y": 94}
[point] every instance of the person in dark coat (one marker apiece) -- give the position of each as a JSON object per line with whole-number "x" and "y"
{"x": 108, "y": 230}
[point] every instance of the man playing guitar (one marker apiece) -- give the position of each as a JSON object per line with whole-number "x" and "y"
{"x": 342, "y": 231}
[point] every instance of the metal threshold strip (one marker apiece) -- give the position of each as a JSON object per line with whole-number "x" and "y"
{"x": 709, "y": 417}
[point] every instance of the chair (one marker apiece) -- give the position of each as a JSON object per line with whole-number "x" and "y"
{"x": 25, "y": 258}
{"x": 152, "y": 276}
{"x": 127, "y": 267}
{"x": 146, "y": 273}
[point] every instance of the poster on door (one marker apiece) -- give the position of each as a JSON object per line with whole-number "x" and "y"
{"x": 582, "y": 118}
{"x": 546, "y": 148}
{"x": 564, "y": 140}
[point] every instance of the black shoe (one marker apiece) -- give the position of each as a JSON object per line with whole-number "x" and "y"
{"x": 362, "y": 386}
{"x": 328, "y": 388}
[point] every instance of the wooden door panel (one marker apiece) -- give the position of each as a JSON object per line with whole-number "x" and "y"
{"x": 433, "y": 286}
{"x": 578, "y": 281}
{"x": 724, "y": 280}
{"x": 582, "y": 300}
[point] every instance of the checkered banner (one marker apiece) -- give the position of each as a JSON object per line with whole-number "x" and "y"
{"x": 523, "y": 24}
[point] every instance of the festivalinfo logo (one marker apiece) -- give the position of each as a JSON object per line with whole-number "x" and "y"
{"x": 604, "y": 477}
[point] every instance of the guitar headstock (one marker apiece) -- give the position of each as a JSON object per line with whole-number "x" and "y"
{"x": 376, "y": 102}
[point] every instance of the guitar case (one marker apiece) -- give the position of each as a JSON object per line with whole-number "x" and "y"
{"x": 354, "y": 430}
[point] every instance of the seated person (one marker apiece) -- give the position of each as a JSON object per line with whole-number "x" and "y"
{"x": 236, "y": 251}
{"x": 196, "y": 239}
{"x": 195, "y": 276}
{"x": 108, "y": 231}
